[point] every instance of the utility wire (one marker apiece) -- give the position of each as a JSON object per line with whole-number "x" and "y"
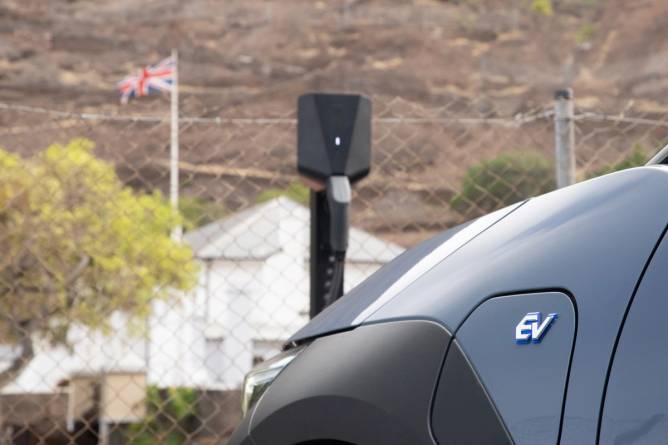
{"x": 516, "y": 121}
{"x": 621, "y": 119}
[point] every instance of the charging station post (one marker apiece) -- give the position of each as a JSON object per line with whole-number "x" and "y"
{"x": 333, "y": 152}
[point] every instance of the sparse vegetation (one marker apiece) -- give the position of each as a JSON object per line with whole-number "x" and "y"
{"x": 503, "y": 180}
{"x": 198, "y": 211}
{"x": 543, "y": 7}
{"x": 590, "y": 3}
{"x": 295, "y": 191}
{"x": 171, "y": 416}
{"x": 638, "y": 157}
{"x": 585, "y": 33}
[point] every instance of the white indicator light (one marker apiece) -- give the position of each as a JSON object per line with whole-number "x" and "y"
{"x": 337, "y": 141}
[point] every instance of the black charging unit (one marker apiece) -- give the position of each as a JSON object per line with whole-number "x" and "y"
{"x": 333, "y": 152}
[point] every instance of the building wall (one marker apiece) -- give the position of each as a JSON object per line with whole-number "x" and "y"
{"x": 254, "y": 304}
{"x": 240, "y": 311}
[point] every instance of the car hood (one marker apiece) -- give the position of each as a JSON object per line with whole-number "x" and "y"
{"x": 381, "y": 287}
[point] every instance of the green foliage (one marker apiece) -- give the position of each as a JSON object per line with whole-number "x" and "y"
{"x": 503, "y": 180}
{"x": 170, "y": 416}
{"x": 78, "y": 245}
{"x": 295, "y": 191}
{"x": 636, "y": 158}
{"x": 198, "y": 211}
{"x": 590, "y": 3}
{"x": 543, "y": 7}
{"x": 585, "y": 33}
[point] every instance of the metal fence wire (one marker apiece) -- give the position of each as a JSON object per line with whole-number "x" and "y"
{"x": 113, "y": 332}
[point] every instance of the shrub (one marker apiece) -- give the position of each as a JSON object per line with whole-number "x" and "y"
{"x": 543, "y": 7}
{"x": 636, "y": 158}
{"x": 503, "y": 180}
{"x": 295, "y": 191}
{"x": 585, "y": 33}
{"x": 171, "y": 417}
{"x": 198, "y": 211}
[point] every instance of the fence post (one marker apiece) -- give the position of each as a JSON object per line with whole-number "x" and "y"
{"x": 564, "y": 131}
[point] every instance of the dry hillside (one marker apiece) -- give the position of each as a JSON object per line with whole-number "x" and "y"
{"x": 251, "y": 58}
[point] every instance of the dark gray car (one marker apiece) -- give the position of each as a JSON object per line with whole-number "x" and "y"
{"x": 541, "y": 323}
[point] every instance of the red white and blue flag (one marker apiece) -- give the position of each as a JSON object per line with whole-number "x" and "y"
{"x": 154, "y": 78}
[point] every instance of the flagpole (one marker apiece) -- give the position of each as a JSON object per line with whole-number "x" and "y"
{"x": 174, "y": 145}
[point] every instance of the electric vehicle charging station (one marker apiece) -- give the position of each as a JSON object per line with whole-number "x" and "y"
{"x": 333, "y": 152}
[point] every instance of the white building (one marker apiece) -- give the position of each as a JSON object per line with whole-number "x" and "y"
{"x": 252, "y": 294}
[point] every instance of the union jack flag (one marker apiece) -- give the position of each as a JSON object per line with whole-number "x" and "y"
{"x": 154, "y": 78}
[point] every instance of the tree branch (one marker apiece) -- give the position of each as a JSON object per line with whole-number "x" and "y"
{"x": 78, "y": 270}
{"x": 69, "y": 281}
{"x": 21, "y": 361}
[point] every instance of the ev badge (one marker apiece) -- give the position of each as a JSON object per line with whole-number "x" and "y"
{"x": 532, "y": 327}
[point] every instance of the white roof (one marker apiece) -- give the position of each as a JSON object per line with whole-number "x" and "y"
{"x": 277, "y": 225}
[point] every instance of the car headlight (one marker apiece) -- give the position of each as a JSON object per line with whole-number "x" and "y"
{"x": 263, "y": 375}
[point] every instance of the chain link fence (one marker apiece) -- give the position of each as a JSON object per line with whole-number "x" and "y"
{"x": 114, "y": 333}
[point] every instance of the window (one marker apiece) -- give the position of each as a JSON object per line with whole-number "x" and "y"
{"x": 213, "y": 360}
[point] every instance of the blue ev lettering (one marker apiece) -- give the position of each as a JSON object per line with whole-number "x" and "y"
{"x": 532, "y": 328}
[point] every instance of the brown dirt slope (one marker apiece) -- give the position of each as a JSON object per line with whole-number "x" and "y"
{"x": 71, "y": 52}
{"x": 251, "y": 58}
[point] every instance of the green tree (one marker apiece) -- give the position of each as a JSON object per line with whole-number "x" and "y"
{"x": 503, "y": 180}
{"x": 76, "y": 246}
